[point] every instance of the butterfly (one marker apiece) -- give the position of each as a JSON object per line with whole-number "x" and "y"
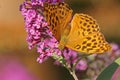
{"x": 80, "y": 33}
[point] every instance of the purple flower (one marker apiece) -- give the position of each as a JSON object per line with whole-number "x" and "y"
{"x": 116, "y": 74}
{"x": 49, "y": 1}
{"x": 82, "y": 65}
{"x": 52, "y": 1}
{"x": 70, "y": 56}
{"x": 96, "y": 63}
{"x": 39, "y": 34}
{"x": 14, "y": 70}
{"x": 114, "y": 46}
{"x": 38, "y": 29}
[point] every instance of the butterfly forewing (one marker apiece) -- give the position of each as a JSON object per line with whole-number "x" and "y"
{"x": 57, "y": 15}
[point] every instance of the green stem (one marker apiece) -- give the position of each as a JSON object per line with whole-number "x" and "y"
{"x": 67, "y": 66}
{"x": 74, "y": 66}
{"x": 71, "y": 70}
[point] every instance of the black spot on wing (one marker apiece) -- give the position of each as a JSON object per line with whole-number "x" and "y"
{"x": 78, "y": 33}
{"x": 77, "y": 46}
{"x": 84, "y": 42}
{"x": 93, "y": 46}
{"x": 57, "y": 18}
{"x": 80, "y": 22}
{"x": 84, "y": 47}
{"x": 88, "y": 38}
{"x": 54, "y": 32}
{"x": 84, "y": 24}
{"x": 93, "y": 40}
{"x": 95, "y": 43}
{"x": 88, "y": 29}
{"x": 89, "y": 49}
{"x": 88, "y": 44}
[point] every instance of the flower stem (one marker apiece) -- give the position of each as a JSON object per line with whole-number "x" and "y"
{"x": 71, "y": 71}
{"x": 70, "y": 68}
{"x": 74, "y": 65}
{"x": 74, "y": 75}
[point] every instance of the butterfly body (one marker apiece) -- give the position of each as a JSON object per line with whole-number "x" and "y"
{"x": 82, "y": 34}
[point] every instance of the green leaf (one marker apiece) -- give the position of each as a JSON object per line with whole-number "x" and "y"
{"x": 109, "y": 71}
{"x": 118, "y": 61}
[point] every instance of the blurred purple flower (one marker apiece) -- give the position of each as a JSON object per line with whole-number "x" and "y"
{"x": 114, "y": 46}
{"x": 53, "y": 1}
{"x": 71, "y": 57}
{"x": 99, "y": 62}
{"x": 14, "y": 70}
{"x": 82, "y": 65}
{"x": 116, "y": 75}
{"x": 49, "y": 1}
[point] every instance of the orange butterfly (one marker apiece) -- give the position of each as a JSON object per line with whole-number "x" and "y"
{"x": 82, "y": 34}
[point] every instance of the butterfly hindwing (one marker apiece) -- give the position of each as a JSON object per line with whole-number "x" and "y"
{"x": 86, "y": 39}
{"x": 94, "y": 43}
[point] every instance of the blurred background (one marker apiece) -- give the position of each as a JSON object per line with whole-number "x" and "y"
{"x": 18, "y": 62}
